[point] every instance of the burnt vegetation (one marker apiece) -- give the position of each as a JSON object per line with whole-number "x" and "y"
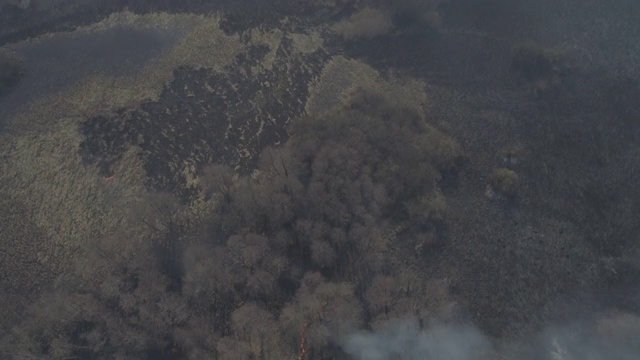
{"x": 300, "y": 249}
{"x": 355, "y": 218}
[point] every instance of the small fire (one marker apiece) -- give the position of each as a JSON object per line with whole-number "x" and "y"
{"x": 302, "y": 349}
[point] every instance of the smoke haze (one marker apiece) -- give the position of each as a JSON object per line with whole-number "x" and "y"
{"x": 608, "y": 337}
{"x": 405, "y": 340}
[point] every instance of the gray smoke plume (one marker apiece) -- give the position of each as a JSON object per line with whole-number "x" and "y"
{"x": 405, "y": 340}
{"x": 612, "y": 336}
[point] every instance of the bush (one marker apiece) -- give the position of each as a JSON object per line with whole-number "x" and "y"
{"x": 542, "y": 68}
{"x": 505, "y": 181}
{"x": 11, "y": 70}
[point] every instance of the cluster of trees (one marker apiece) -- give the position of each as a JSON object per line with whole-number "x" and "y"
{"x": 284, "y": 264}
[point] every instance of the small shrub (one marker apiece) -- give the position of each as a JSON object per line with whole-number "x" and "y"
{"x": 542, "y": 68}
{"x": 11, "y": 70}
{"x": 505, "y": 181}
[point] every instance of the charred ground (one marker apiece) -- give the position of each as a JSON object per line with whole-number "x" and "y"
{"x": 262, "y": 223}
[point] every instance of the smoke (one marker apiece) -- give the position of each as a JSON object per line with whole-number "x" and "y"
{"x": 406, "y": 340}
{"x": 604, "y": 337}
{"x": 610, "y": 337}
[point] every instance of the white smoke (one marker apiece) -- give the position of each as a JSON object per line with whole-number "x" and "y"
{"x": 405, "y": 340}
{"x": 612, "y": 336}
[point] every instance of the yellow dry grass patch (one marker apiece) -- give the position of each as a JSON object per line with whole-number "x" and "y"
{"x": 71, "y": 203}
{"x": 306, "y": 43}
{"x": 342, "y": 76}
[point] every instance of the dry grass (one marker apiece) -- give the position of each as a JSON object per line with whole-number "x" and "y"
{"x": 306, "y": 43}
{"x": 71, "y": 203}
{"x": 341, "y": 77}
